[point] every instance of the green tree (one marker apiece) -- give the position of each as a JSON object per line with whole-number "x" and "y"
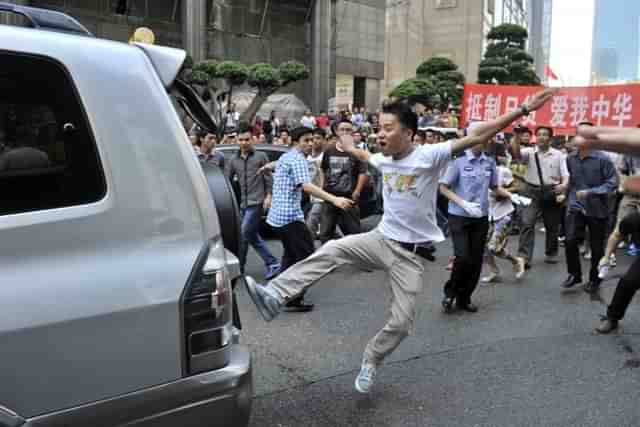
{"x": 505, "y": 61}
{"x": 438, "y": 83}
{"x": 216, "y": 82}
{"x": 267, "y": 80}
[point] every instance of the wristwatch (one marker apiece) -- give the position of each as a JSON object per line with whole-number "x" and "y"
{"x": 524, "y": 109}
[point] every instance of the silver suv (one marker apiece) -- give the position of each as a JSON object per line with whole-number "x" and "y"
{"x": 116, "y": 301}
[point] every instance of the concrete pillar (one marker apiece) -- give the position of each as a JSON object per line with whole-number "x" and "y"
{"x": 323, "y": 54}
{"x": 194, "y": 28}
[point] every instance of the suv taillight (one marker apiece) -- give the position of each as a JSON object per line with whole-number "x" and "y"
{"x": 207, "y": 311}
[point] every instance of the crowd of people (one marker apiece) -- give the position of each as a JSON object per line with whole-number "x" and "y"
{"x": 480, "y": 188}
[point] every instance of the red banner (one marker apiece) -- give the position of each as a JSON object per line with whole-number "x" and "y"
{"x": 602, "y": 105}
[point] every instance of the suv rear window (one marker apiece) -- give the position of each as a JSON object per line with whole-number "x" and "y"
{"x": 48, "y": 157}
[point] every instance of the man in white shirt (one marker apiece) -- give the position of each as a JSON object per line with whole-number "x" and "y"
{"x": 403, "y": 241}
{"x": 500, "y": 216}
{"x": 232, "y": 119}
{"x": 308, "y": 120}
{"x": 546, "y": 196}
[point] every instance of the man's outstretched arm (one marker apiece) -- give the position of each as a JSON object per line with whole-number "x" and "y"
{"x": 483, "y": 132}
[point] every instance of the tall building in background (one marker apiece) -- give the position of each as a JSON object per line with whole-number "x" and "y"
{"x": 540, "y": 20}
{"x": 360, "y": 34}
{"x": 456, "y": 29}
{"x": 341, "y": 39}
{"x": 616, "y": 42}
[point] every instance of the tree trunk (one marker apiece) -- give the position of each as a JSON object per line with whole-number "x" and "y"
{"x": 253, "y": 108}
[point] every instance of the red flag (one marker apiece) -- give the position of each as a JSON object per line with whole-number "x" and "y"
{"x": 548, "y": 72}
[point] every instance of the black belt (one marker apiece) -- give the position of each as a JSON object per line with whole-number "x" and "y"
{"x": 426, "y": 252}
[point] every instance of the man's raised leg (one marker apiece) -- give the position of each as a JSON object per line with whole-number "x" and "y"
{"x": 364, "y": 251}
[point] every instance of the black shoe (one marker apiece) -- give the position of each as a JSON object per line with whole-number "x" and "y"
{"x": 298, "y": 306}
{"x": 571, "y": 281}
{"x": 592, "y": 287}
{"x": 471, "y": 308}
{"x": 447, "y": 304}
{"x": 607, "y": 325}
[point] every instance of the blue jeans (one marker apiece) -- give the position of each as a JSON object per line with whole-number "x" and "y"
{"x": 251, "y": 218}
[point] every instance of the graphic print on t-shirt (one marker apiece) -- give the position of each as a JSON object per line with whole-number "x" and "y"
{"x": 340, "y": 174}
{"x": 400, "y": 183}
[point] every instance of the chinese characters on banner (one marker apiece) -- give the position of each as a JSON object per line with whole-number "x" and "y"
{"x": 601, "y": 105}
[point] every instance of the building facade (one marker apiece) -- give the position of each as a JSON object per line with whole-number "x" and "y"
{"x": 616, "y": 42}
{"x": 332, "y": 37}
{"x": 540, "y": 21}
{"x": 360, "y": 29}
{"x": 455, "y": 29}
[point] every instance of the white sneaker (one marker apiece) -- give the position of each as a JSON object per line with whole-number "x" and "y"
{"x": 622, "y": 245}
{"x": 587, "y": 254}
{"x": 612, "y": 260}
{"x": 364, "y": 381}
{"x": 492, "y": 277}
{"x": 520, "y": 267}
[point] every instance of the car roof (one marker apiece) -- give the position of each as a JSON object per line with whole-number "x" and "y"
{"x": 76, "y": 48}
{"x": 259, "y": 147}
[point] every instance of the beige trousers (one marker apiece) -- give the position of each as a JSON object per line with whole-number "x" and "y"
{"x": 367, "y": 251}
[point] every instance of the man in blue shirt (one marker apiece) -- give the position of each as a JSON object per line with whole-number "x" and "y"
{"x": 290, "y": 179}
{"x": 592, "y": 177}
{"x": 466, "y": 184}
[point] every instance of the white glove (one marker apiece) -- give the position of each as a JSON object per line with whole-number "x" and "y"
{"x": 520, "y": 200}
{"x": 473, "y": 209}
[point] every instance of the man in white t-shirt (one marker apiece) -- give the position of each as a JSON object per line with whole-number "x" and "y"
{"x": 315, "y": 159}
{"x": 403, "y": 242}
{"x": 500, "y": 216}
{"x": 308, "y": 120}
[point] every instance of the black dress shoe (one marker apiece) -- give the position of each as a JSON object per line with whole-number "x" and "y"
{"x": 298, "y": 306}
{"x": 607, "y": 325}
{"x": 571, "y": 281}
{"x": 447, "y": 304}
{"x": 592, "y": 287}
{"x": 471, "y": 308}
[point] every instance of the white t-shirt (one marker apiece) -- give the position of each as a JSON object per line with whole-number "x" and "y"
{"x": 314, "y": 171}
{"x": 409, "y": 190}
{"x": 232, "y": 119}
{"x": 308, "y": 122}
{"x": 500, "y": 208}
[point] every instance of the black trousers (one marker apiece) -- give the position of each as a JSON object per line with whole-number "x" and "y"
{"x": 469, "y": 238}
{"x": 348, "y": 220}
{"x": 297, "y": 243}
{"x": 627, "y": 287}
{"x": 576, "y": 224}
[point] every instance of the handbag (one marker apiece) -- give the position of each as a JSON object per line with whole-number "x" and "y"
{"x": 547, "y": 196}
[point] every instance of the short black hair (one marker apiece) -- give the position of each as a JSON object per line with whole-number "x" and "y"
{"x": 244, "y": 127}
{"x": 299, "y": 132}
{"x": 320, "y": 132}
{"x": 549, "y": 128}
{"x": 585, "y": 123}
{"x": 402, "y": 110}
{"x": 285, "y": 130}
{"x": 422, "y": 134}
{"x": 522, "y": 129}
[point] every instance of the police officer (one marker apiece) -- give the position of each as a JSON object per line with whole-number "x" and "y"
{"x": 466, "y": 184}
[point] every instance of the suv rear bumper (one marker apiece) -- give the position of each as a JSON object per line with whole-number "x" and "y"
{"x": 221, "y": 397}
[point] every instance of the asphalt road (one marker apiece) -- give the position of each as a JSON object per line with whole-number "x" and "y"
{"x": 529, "y": 357}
